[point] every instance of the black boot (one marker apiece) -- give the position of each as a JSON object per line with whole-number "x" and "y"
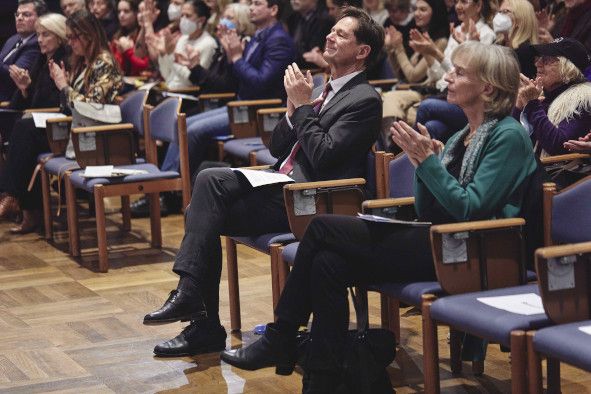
{"x": 181, "y": 305}
{"x": 197, "y": 338}
{"x": 274, "y": 348}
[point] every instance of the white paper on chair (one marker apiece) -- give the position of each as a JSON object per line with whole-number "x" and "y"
{"x": 261, "y": 178}
{"x": 40, "y": 118}
{"x": 109, "y": 172}
{"x": 148, "y": 86}
{"x": 521, "y": 304}
{"x": 381, "y": 219}
{"x": 586, "y": 329}
{"x": 181, "y": 95}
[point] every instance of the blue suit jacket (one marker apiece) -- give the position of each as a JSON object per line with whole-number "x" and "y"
{"x": 261, "y": 76}
{"x": 24, "y": 57}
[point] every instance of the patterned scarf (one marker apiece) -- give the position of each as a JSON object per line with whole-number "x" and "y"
{"x": 472, "y": 150}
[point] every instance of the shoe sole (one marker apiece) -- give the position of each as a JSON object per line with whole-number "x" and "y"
{"x": 210, "y": 349}
{"x": 195, "y": 316}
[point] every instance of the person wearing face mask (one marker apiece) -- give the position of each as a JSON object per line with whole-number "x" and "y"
{"x": 193, "y": 35}
{"x": 516, "y": 26}
{"x": 174, "y": 10}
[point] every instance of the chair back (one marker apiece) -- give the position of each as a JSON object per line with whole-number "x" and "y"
{"x": 372, "y": 163}
{"x": 132, "y": 109}
{"x": 564, "y": 276}
{"x": 401, "y": 174}
{"x": 267, "y": 119}
{"x": 164, "y": 120}
{"x": 567, "y": 214}
{"x": 243, "y": 116}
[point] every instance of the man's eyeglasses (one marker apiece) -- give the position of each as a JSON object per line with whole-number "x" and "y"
{"x": 25, "y": 14}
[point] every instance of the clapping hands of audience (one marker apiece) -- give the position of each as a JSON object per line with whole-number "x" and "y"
{"x": 21, "y": 78}
{"x": 298, "y": 88}
{"x": 583, "y": 144}
{"x": 190, "y": 59}
{"x": 232, "y": 44}
{"x": 393, "y": 38}
{"x": 528, "y": 90}
{"x": 545, "y": 24}
{"x": 124, "y": 43}
{"x": 58, "y": 74}
{"x": 314, "y": 56}
{"x": 467, "y": 32}
{"x": 422, "y": 43}
{"x": 418, "y": 145}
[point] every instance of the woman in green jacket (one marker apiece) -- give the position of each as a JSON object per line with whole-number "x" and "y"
{"x": 481, "y": 174}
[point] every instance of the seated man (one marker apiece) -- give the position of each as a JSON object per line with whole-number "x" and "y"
{"x": 21, "y": 49}
{"x": 328, "y": 138}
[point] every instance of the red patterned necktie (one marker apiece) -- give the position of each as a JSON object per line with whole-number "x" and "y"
{"x": 287, "y": 167}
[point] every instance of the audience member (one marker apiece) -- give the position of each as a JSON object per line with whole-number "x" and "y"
{"x": 21, "y": 49}
{"x": 193, "y": 34}
{"x": 442, "y": 118}
{"x": 574, "y": 22}
{"x": 175, "y": 10}
{"x": 149, "y": 39}
{"x": 375, "y": 9}
{"x": 35, "y": 90}
{"x": 216, "y": 7}
{"x": 556, "y": 107}
{"x": 484, "y": 172}
{"x": 104, "y": 11}
{"x": 123, "y": 43}
{"x": 308, "y": 25}
{"x": 71, "y": 6}
{"x": 516, "y": 26}
{"x": 401, "y": 17}
{"x": 326, "y": 139}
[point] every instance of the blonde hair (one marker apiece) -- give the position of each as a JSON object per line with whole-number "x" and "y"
{"x": 242, "y": 16}
{"x": 54, "y": 23}
{"x": 497, "y": 66}
{"x": 525, "y": 27}
{"x": 568, "y": 71}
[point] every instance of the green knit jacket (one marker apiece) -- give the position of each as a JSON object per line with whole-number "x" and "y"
{"x": 498, "y": 188}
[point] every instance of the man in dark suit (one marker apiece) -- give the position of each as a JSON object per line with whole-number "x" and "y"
{"x": 21, "y": 49}
{"x": 327, "y": 138}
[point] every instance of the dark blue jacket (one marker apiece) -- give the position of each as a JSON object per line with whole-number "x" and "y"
{"x": 261, "y": 76}
{"x": 24, "y": 57}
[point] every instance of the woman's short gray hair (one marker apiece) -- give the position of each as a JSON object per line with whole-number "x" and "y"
{"x": 497, "y": 66}
{"x": 568, "y": 71}
{"x": 54, "y": 23}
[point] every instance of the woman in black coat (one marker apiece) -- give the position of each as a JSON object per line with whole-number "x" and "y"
{"x": 35, "y": 90}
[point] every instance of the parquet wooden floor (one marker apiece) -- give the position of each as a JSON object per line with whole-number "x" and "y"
{"x": 65, "y": 328}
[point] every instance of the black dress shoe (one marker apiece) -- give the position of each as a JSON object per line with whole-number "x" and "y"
{"x": 141, "y": 208}
{"x": 180, "y": 305}
{"x": 272, "y": 349}
{"x": 196, "y": 338}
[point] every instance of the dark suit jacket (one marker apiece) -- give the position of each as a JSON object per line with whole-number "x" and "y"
{"x": 309, "y": 32}
{"x": 24, "y": 57}
{"x": 334, "y": 143}
{"x": 261, "y": 76}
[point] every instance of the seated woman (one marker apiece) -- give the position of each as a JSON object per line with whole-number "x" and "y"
{"x": 104, "y": 11}
{"x": 35, "y": 90}
{"x": 430, "y": 17}
{"x": 556, "y": 107}
{"x": 123, "y": 44}
{"x": 440, "y": 117}
{"x": 483, "y": 174}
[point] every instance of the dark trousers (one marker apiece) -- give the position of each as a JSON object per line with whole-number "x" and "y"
{"x": 338, "y": 252}
{"x": 25, "y": 144}
{"x": 224, "y": 203}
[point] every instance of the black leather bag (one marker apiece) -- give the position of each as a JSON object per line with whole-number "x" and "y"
{"x": 368, "y": 352}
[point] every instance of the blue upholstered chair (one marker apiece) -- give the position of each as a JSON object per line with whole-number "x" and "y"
{"x": 163, "y": 123}
{"x": 54, "y": 164}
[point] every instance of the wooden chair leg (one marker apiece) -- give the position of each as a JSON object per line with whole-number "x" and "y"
{"x": 45, "y": 197}
{"x": 553, "y": 366}
{"x": 73, "y": 232}
{"x": 233, "y": 287}
{"x": 534, "y": 366}
{"x": 518, "y": 362}
{"x": 282, "y": 270}
{"x": 101, "y": 228}
{"x": 126, "y": 213}
{"x": 394, "y": 317}
{"x": 155, "y": 227}
{"x": 274, "y": 250}
{"x": 430, "y": 347}
{"x": 455, "y": 350}
{"x": 252, "y": 158}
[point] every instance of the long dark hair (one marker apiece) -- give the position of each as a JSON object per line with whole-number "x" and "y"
{"x": 439, "y": 24}
{"x": 84, "y": 24}
{"x": 122, "y": 31}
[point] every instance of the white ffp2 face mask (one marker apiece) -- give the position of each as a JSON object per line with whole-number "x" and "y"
{"x": 174, "y": 12}
{"x": 187, "y": 26}
{"x": 502, "y": 23}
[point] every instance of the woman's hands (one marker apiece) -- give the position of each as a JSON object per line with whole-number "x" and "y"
{"x": 583, "y": 144}
{"x": 232, "y": 44}
{"x": 21, "y": 78}
{"x": 393, "y": 38}
{"x": 124, "y": 43}
{"x": 58, "y": 74}
{"x": 467, "y": 32}
{"x": 418, "y": 145}
{"x": 528, "y": 90}
{"x": 190, "y": 59}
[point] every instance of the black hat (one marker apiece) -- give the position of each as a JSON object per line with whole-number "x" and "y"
{"x": 569, "y": 48}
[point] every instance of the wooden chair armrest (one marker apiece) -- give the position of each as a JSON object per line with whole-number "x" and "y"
{"x": 246, "y": 103}
{"x": 566, "y": 157}
{"x": 219, "y": 96}
{"x": 406, "y": 86}
{"x": 552, "y": 252}
{"x": 265, "y": 167}
{"x": 388, "y": 202}
{"x": 478, "y": 225}
{"x": 4, "y": 104}
{"x": 387, "y": 81}
{"x": 101, "y": 128}
{"x": 267, "y": 111}
{"x": 322, "y": 184}
{"x": 51, "y": 109}
{"x": 187, "y": 90}
{"x": 59, "y": 120}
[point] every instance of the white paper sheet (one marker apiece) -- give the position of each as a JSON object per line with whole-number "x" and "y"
{"x": 148, "y": 86}
{"x": 40, "y": 118}
{"x": 181, "y": 95}
{"x": 381, "y": 219}
{"x": 521, "y": 304}
{"x": 260, "y": 178}
{"x": 586, "y": 329}
{"x": 98, "y": 171}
